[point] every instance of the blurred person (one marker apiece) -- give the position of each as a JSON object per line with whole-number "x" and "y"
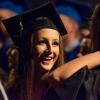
{"x": 8, "y": 72}
{"x": 8, "y": 64}
{"x": 71, "y": 40}
{"x": 79, "y": 11}
{"x": 72, "y": 21}
{"x": 85, "y": 30}
{"x": 7, "y": 10}
{"x": 85, "y": 38}
{"x": 3, "y": 55}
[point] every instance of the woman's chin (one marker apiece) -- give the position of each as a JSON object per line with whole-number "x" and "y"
{"x": 46, "y": 66}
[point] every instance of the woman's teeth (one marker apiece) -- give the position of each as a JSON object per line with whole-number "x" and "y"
{"x": 48, "y": 58}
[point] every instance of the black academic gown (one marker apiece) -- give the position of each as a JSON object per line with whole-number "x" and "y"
{"x": 83, "y": 85}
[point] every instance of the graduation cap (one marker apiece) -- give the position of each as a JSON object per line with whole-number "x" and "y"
{"x": 21, "y": 26}
{"x": 19, "y": 23}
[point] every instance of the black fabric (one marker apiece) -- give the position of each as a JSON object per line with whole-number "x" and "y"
{"x": 50, "y": 95}
{"x": 42, "y": 22}
{"x": 83, "y": 85}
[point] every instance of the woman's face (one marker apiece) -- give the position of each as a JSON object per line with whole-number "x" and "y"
{"x": 46, "y": 48}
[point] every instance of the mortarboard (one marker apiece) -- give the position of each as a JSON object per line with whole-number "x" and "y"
{"x": 15, "y": 24}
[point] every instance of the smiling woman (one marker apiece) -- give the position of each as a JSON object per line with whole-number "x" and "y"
{"x": 40, "y": 49}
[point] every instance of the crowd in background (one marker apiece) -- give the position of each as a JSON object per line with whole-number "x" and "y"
{"x": 8, "y": 8}
{"x": 75, "y": 17}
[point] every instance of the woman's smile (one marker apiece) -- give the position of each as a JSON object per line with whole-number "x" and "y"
{"x": 47, "y": 60}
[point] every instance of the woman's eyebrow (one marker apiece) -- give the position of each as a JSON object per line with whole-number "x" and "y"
{"x": 56, "y": 39}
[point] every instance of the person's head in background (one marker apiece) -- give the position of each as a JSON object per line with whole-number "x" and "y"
{"x": 85, "y": 38}
{"x": 95, "y": 28}
{"x": 7, "y": 10}
{"x": 71, "y": 20}
{"x": 85, "y": 30}
{"x": 72, "y": 28}
{"x": 5, "y": 38}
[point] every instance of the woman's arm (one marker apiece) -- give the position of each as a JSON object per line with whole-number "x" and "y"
{"x": 68, "y": 69}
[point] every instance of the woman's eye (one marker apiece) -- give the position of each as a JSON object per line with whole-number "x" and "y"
{"x": 41, "y": 42}
{"x": 56, "y": 43}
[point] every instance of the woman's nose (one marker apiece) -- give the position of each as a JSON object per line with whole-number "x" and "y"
{"x": 49, "y": 48}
